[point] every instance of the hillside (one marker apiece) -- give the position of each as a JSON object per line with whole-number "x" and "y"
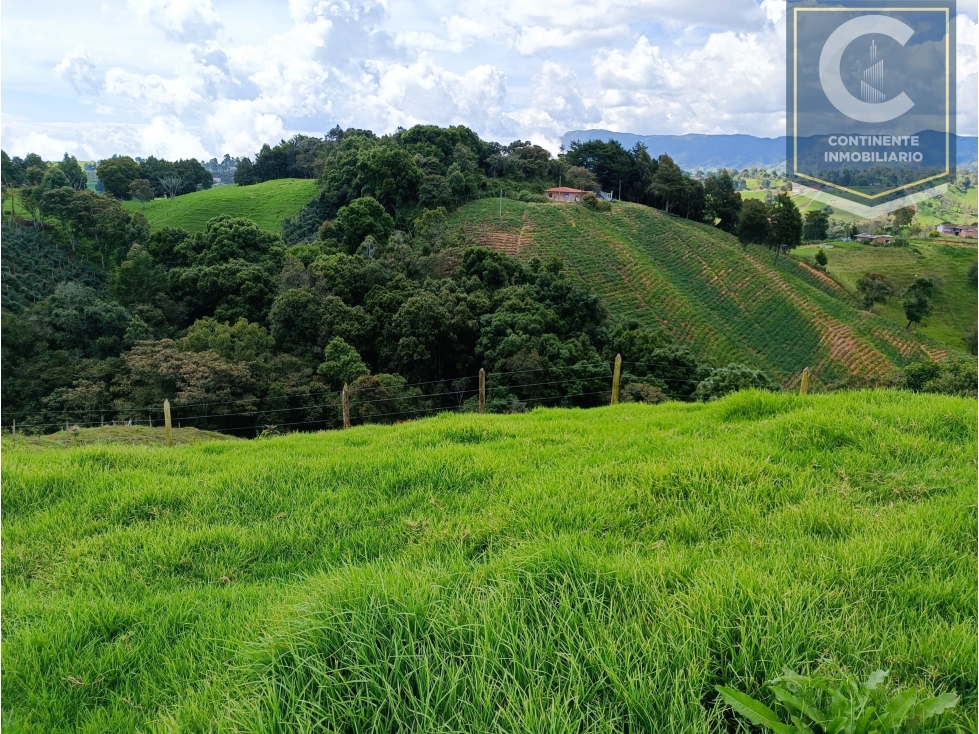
{"x": 699, "y": 284}
{"x": 708, "y": 152}
{"x": 954, "y": 305}
{"x": 267, "y": 204}
{"x": 562, "y": 570}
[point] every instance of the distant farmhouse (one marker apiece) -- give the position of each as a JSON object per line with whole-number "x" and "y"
{"x": 874, "y": 239}
{"x": 957, "y": 230}
{"x": 564, "y": 194}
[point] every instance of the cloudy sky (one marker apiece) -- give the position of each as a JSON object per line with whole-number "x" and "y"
{"x": 201, "y": 78}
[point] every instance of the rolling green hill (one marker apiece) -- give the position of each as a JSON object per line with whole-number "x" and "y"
{"x": 728, "y": 303}
{"x": 563, "y": 570}
{"x": 267, "y": 204}
{"x": 955, "y": 304}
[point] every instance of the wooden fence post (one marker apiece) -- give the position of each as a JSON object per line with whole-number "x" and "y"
{"x": 804, "y": 386}
{"x": 482, "y": 390}
{"x": 615, "y": 379}
{"x": 346, "y": 408}
{"x": 168, "y": 424}
{"x": 13, "y": 431}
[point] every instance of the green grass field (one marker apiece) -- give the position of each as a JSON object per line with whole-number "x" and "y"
{"x": 267, "y": 204}
{"x": 956, "y": 303}
{"x": 728, "y": 303}
{"x": 559, "y": 571}
{"x": 127, "y": 435}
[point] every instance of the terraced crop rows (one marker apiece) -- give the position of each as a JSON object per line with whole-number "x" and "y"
{"x": 698, "y": 283}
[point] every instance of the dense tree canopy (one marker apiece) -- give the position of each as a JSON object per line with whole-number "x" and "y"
{"x": 365, "y": 286}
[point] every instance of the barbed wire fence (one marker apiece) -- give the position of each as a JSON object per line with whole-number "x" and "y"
{"x": 512, "y": 391}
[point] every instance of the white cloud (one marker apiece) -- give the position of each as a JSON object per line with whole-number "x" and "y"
{"x": 181, "y": 20}
{"x": 558, "y": 106}
{"x": 78, "y": 69}
{"x": 238, "y": 127}
{"x": 507, "y": 69}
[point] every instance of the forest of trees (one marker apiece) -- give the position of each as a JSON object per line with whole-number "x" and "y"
{"x": 366, "y": 286}
{"x": 241, "y": 328}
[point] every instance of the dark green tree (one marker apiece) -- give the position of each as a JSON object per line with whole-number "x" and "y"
{"x": 668, "y": 187}
{"x": 363, "y": 217}
{"x": 753, "y": 222}
{"x": 722, "y": 204}
{"x": 341, "y": 364}
{"x": 117, "y": 173}
{"x": 874, "y": 288}
{"x": 786, "y": 231}
{"x": 816, "y": 225}
{"x": 73, "y": 172}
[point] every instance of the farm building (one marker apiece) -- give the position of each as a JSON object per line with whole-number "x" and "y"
{"x": 874, "y": 239}
{"x": 564, "y": 194}
{"x": 957, "y": 230}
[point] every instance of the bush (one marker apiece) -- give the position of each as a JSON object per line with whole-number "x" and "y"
{"x": 821, "y": 259}
{"x": 642, "y": 392}
{"x": 730, "y": 379}
{"x": 595, "y": 203}
{"x": 951, "y": 377}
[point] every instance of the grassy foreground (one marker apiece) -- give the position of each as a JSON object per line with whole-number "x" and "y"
{"x": 267, "y": 204}
{"x": 560, "y": 571}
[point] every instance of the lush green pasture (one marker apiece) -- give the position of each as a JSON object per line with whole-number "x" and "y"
{"x": 128, "y": 435}
{"x": 955, "y": 305}
{"x": 560, "y": 571}
{"x": 730, "y": 303}
{"x": 267, "y": 204}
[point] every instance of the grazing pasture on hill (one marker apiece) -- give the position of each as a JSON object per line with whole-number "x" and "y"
{"x": 564, "y": 570}
{"x": 266, "y": 204}
{"x": 955, "y": 302}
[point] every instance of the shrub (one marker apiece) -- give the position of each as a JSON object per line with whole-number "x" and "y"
{"x": 951, "y": 377}
{"x": 642, "y": 392}
{"x": 595, "y": 203}
{"x": 821, "y": 259}
{"x": 730, "y": 379}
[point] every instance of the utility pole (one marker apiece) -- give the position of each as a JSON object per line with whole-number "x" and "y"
{"x": 501, "y": 205}
{"x": 620, "y": 189}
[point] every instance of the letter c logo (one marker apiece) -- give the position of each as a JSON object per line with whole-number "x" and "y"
{"x": 829, "y": 68}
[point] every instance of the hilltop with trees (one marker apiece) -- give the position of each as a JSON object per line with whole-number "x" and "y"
{"x": 372, "y": 283}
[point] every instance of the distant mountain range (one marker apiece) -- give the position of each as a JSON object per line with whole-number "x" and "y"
{"x": 694, "y": 151}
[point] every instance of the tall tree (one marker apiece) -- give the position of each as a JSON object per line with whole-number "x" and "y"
{"x": 786, "y": 231}
{"x": 753, "y": 222}
{"x": 816, "y": 225}
{"x": 722, "y": 204}
{"x": 117, "y": 173}
{"x": 668, "y": 187}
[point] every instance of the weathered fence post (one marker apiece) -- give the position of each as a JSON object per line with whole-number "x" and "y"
{"x": 13, "y": 431}
{"x": 101, "y": 421}
{"x": 615, "y": 379}
{"x": 804, "y": 386}
{"x": 346, "y": 408}
{"x": 168, "y": 424}
{"x": 482, "y": 390}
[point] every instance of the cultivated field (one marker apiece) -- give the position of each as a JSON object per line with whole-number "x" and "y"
{"x": 703, "y": 287}
{"x": 267, "y": 204}
{"x": 560, "y": 571}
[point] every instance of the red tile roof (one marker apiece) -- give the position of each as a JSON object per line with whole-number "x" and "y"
{"x": 563, "y": 190}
